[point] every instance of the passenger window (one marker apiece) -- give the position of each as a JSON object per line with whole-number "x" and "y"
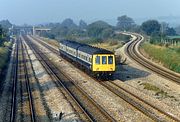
{"x": 90, "y": 59}
{"x": 104, "y": 60}
{"x": 110, "y": 60}
{"x": 97, "y": 59}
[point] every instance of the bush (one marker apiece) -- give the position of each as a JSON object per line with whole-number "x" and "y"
{"x": 91, "y": 41}
{"x": 121, "y": 37}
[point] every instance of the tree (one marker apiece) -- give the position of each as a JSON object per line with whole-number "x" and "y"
{"x": 166, "y": 30}
{"x": 151, "y": 27}
{"x": 99, "y": 29}
{"x": 5, "y": 24}
{"x": 107, "y": 33}
{"x": 177, "y": 29}
{"x": 3, "y": 35}
{"x": 82, "y": 24}
{"x": 69, "y": 24}
{"x": 1, "y": 31}
{"x": 66, "y": 28}
{"x": 125, "y": 23}
{"x": 170, "y": 32}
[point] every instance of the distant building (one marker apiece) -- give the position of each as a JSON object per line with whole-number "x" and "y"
{"x": 174, "y": 37}
{"x": 174, "y": 40}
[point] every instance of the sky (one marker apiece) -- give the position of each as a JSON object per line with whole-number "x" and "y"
{"x": 43, "y": 11}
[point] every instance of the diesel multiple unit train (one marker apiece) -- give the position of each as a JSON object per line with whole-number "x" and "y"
{"x": 99, "y": 62}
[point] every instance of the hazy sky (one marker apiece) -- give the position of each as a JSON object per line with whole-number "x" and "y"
{"x": 41, "y": 11}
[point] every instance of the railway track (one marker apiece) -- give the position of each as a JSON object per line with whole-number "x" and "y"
{"x": 21, "y": 88}
{"x": 30, "y": 98}
{"x": 87, "y": 106}
{"x": 133, "y": 52}
{"x": 145, "y": 107}
{"x": 47, "y": 46}
{"x": 139, "y": 103}
{"x": 14, "y": 79}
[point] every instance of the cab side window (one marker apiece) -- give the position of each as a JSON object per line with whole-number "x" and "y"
{"x": 104, "y": 60}
{"x": 97, "y": 59}
{"x": 110, "y": 60}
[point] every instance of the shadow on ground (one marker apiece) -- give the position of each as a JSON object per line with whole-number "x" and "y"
{"x": 125, "y": 73}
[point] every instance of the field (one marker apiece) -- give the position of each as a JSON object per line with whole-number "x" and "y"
{"x": 167, "y": 56}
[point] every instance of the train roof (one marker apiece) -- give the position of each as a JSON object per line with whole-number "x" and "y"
{"x": 94, "y": 50}
{"x": 85, "y": 48}
{"x": 72, "y": 44}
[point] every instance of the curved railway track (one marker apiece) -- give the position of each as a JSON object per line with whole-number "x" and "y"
{"x": 132, "y": 51}
{"x": 17, "y": 70}
{"x": 92, "y": 110}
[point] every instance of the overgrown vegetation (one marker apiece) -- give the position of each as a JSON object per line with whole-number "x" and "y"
{"x": 4, "y": 55}
{"x": 4, "y": 50}
{"x": 161, "y": 46}
{"x": 110, "y": 44}
{"x": 168, "y": 56}
{"x": 158, "y": 91}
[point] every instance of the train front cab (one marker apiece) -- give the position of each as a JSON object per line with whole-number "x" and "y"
{"x": 103, "y": 64}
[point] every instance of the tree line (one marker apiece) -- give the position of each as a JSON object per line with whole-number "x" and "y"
{"x": 2, "y": 35}
{"x": 4, "y": 26}
{"x": 101, "y": 30}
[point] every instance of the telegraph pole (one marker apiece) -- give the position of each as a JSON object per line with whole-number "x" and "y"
{"x": 162, "y": 32}
{"x": 34, "y": 31}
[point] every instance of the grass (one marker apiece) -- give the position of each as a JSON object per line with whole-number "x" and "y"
{"x": 150, "y": 87}
{"x": 111, "y": 45}
{"x": 167, "y": 56}
{"x": 158, "y": 91}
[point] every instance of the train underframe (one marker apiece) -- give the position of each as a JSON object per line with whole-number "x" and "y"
{"x": 103, "y": 75}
